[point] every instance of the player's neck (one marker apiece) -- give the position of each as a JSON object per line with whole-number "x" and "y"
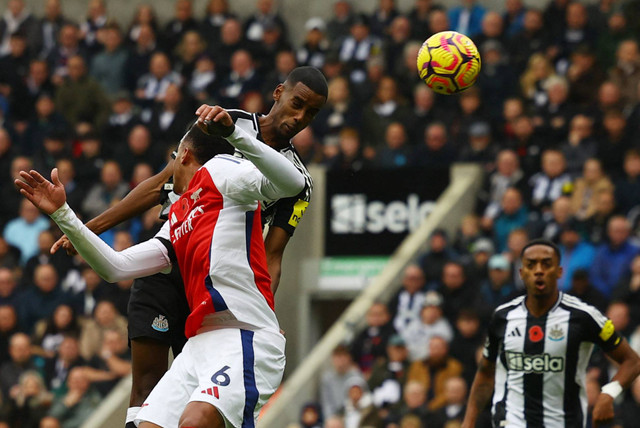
{"x": 540, "y": 305}
{"x": 269, "y": 135}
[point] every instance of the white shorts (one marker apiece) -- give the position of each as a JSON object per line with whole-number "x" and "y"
{"x": 234, "y": 370}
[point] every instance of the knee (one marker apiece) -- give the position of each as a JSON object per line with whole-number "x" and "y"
{"x": 201, "y": 416}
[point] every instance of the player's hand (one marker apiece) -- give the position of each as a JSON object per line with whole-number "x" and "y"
{"x": 63, "y": 243}
{"x": 214, "y": 120}
{"x": 603, "y": 410}
{"x": 46, "y": 195}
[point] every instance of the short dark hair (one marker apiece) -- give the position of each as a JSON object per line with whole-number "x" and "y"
{"x": 541, "y": 241}
{"x": 205, "y": 147}
{"x": 311, "y": 77}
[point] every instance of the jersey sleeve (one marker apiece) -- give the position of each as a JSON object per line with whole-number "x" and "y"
{"x": 600, "y": 330}
{"x": 492, "y": 341}
{"x": 288, "y": 212}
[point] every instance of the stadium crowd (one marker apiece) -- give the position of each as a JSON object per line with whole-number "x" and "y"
{"x": 554, "y": 120}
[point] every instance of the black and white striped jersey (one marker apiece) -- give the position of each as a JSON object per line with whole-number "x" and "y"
{"x": 284, "y": 213}
{"x": 541, "y": 362}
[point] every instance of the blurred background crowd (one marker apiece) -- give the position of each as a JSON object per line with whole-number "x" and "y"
{"x": 553, "y": 120}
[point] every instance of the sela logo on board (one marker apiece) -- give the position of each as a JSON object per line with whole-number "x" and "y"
{"x": 354, "y": 214}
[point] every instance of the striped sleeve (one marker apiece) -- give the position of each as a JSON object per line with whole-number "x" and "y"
{"x": 598, "y": 328}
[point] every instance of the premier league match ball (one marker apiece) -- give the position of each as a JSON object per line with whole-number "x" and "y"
{"x": 448, "y": 62}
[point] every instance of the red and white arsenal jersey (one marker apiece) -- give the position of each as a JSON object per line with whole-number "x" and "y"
{"x": 215, "y": 231}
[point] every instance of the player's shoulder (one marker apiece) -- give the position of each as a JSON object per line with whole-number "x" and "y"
{"x": 502, "y": 310}
{"x": 581, "y": 308}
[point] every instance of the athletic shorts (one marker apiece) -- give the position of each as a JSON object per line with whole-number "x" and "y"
{"x": 158, "y": 309}
{"x": 234, "y": 370}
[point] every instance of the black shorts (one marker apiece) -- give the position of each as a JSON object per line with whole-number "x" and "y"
{"x": 158, "y": 309}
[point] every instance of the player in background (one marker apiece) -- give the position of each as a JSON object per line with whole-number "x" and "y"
{"x": 158, "y": 308}
{"x": 536, "y": 353}
{"x": 233, "y": 360}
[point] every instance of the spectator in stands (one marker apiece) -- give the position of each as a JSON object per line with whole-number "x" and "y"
{"x": 144, "y": 15}
{"x": 615, "y": 142}
{"x": 57, "y": 367}
{"x": 395, "y": 38}
{"x": 584, "y": 74}
{"x": 424, "y": 113}
{"x": 552, "y": 118}
{"x": 8, "y": 287}
{"x": 431, "y": 323}
{"x": 476, "y": 265}
{"x": 49, "y": 422}
{"x": 22, "y": 360}
{"x": 140, "y": 56}
{"x": 457, "y": 291}
{"x": 470, "y": 111}
{"x": 90, "y": 162}
{"x": 498, "y": 287}
{"x": 340, "y": 23}
{"x": 204, "y": 80}
{"x": 550, "y": 183}
{"x": 311, "y": 416}
{"x": 389, "y": 375}
{"x": 45, "y": 122}
{"x": 385, "y": 108}
{"x": 592, "y": 181}
{"x": 339, "y": 113}
{"x": 455, "y": 392}
{"x": 8, "y": 327}
{"x": 181, "y": 22}
{"x": 618, "y": 313}
{"x": 107, "y": 67}
{"x": 37, "y": 82}
{"x": 580, "y": 144}
{"x": 406, "y": 305}
{"x": 68, "y": 46}
{"x": 395, "y": 153}
{"x": 110, "y": 189}
{"x": 528, "y": 41}
{"x": 334, "y": 422}
{"x": 438, "y": 253}
{"x": 142, "y": 147}
{"x": 576, "y": 253}
{"x": 577, "y": 32}
{"x": 285, "y": 62}
{"x": 105, "y": 317}
{"x": 626, "y": 73}
{"x": 627, "y": 188}
{"x": 414, "y": 403}
{"x": 243, "y": 79}
{"x": 333, "y": 381}
{"x": 467, "y": 234}
{"x": 152, "y": 86}
{"x": 74, "y": 191}
{"x": 497, "y": 80}
{"x": 435, "y": 149}
{"x": 191, "y": 47}
{"x": 29, "y": 401}
{"x": 266, "y": 14}
{"x": 550, "y": 225}
{"x": 612, "y": 259}
{"x": 49, "y": 333}
{"x": 628, "y": 290}
{"x": 468, "y": 337}
{"x": 217, "y": 13}
{"x": 272, "y": 42}
{"x": 81, "y": 400}
{"x": 582, "y": 288}
{"x": 527, "y": 145}
{"x": 112, "y": 363}
{"x": 22, "y": 232}
{"x": 513, "y": 215}
{"x": 479, "y": 149}
{"x": 467, "y": 18}
{"x": 54, "y": 147}
{"x": 60, "y": 262}
{"x": 40, "y": 300}
{"x": 356, "y": 48}
{"x": 370, "y": 345}
{"x": 349, "y": 155}
{"x": 9, "y": 255}
{"x": 96, "y": 21}
{"x": 533, "y": 79}
{"x": 358, "y": 405}
{"x": 492, "y": 31}
{"x": 80, "y": 98}
{"x": 507, "y": 174}
{"x": 596, "y": 225}
{"x": 48, "y": 28}
{"x": 433, "y": 372}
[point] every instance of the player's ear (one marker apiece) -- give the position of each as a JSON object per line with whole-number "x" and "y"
{"x": 277, "y": 92}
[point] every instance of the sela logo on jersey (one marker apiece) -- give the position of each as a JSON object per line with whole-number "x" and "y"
{"x": 186, "y": 225}
{"x": 541, "y": 363}
{"x": 353, "y": 214}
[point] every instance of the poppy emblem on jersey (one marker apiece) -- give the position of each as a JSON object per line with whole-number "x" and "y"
{"x": 536, "y": 334}
{"x": 556, "y": 334}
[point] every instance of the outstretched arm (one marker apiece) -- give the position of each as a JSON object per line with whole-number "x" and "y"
{"x": 142, "y": 197}
{"x": 629, "y": 369}
{"x": 481, "y": 392}
{"x": 140, "y": 260}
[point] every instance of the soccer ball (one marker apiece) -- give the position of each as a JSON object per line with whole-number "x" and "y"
{"x": 448, "y": 62}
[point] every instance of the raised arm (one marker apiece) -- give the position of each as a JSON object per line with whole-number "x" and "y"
{"x": 142, "y": 197}
{"x": 481, "y": 392}
{"x": 140, "y": 260}
{"x": 284, "y": 178}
